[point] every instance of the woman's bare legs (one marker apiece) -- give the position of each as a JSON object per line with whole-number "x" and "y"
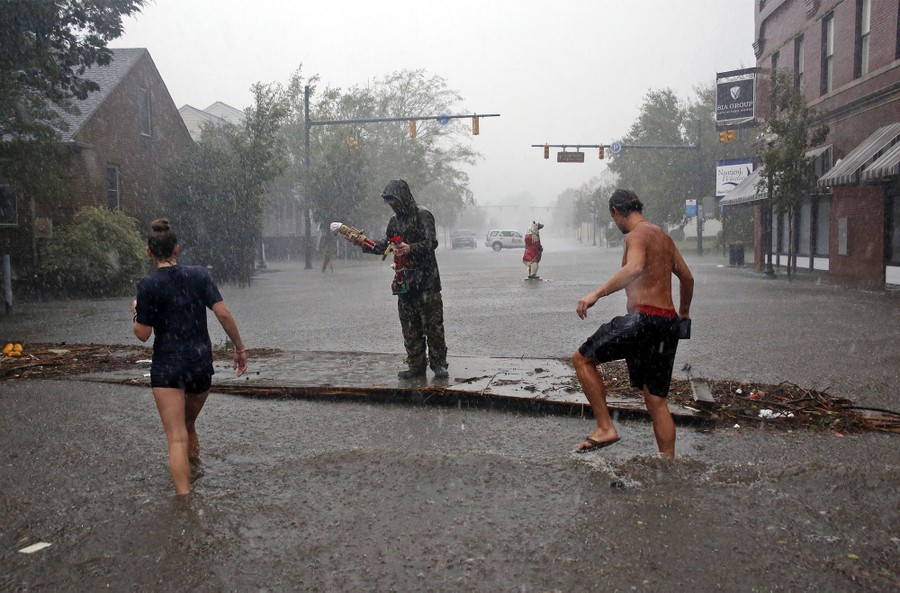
{"x": 170, "y": 402}
{"x": 193, "y": 405}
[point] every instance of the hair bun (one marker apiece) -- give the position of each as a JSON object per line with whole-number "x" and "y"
{"x": 160, "y": 225}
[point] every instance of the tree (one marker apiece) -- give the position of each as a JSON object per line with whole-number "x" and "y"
{"x": 218, "y": 195}
{"x": 101, "y": 254}
{"x": 45, "y": 49}
{"x": 665, "y": 177}
{"x": 351, "y": 163}
{"x": 790, "y": 132}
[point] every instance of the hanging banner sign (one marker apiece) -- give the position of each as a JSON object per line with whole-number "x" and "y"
{"x": 730, "y": 172}
{"x": 736, "y": 96}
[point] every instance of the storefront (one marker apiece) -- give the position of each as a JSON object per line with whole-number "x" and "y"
{"x": 808, "y": 226}
{"x": 865, "y": 243}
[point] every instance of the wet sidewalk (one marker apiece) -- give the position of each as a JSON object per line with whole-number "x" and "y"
{"x": 538, "y": 384}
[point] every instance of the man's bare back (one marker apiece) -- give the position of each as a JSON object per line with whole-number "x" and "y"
{"x": 657, "y": 250}
{"x": 649, "y": 261}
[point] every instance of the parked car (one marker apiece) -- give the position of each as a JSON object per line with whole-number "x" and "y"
{"x": 463, "y": 238}
{"x": 497, "y": 239}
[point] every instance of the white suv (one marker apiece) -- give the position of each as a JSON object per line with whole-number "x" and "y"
{"x": 497, "y": 239}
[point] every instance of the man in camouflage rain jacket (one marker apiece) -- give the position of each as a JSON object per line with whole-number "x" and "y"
{"x": 421, "y": 307}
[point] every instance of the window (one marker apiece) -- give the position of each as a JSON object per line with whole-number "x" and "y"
{"x": 804, "y": 227}
{"x": 775, "y": 58}
{"x": 863, "y": 31}
{"x": 827, "y": 53}
{"x": 897, "y": 51}
{"x": 112, "y": 187}
{"x": 893, "y": 242}
{"x": 823, "y": 225}
{"x": 9, "y": 214}
{"x": 799, "y": 63}
{"x": 144, "y": 111}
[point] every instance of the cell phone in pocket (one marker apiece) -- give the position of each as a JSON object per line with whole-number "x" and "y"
{"x": 684, "y": 329}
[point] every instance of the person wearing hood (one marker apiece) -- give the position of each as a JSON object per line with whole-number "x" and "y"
{"x": 420, "y": 305}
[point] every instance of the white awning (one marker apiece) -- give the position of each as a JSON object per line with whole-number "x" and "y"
{"x": 745, "y": 191}
{"x": 885, "y": 166}
{"x": 847, "y": 170}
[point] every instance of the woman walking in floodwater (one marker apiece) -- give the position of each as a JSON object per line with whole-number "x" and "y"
{"x": 171, "y": 303}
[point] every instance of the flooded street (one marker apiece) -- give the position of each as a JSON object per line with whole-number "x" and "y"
{"x": 319, "y": 496}
{"x": 745, "y": 327}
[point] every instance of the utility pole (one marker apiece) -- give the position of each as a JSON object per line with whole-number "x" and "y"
{"x": 307, "y": 256}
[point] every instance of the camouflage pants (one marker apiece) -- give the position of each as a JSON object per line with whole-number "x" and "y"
{"x": 422, "y": 321}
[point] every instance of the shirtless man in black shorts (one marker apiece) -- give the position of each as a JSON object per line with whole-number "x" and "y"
{"x": 646, "y": 337}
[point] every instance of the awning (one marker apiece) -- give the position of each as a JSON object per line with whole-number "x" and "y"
{"x": 745, "y": 191}
{"x": 886, "y": 165}
{"x": 847, "y": 169}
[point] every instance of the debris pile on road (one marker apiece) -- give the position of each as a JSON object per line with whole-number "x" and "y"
{"x": 783, "y": 406}
{"x": 63, "y": 361}
{"x": 786, "y": 406}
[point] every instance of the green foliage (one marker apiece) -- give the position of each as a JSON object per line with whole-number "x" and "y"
{"x": 101, "y": 254}
{"x": 665, "y": 177}
{"x": 790, "y": 133}
{"x": 216, "y": 198}
{"x": 350, "y": 164}
{"x": 738, "y": 225}
{"x": 36, "y": 168}
{"x": 45, "y": 47}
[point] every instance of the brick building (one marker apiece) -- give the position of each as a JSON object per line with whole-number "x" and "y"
{"x": 119, "y": 145}
{"x": 845, "y": 56}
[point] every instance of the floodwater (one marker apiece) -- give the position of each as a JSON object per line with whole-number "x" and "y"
{"x": 303, "y": 495}
{"x": 745, "y": 327}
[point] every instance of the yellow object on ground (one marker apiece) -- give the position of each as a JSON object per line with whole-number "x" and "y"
{"x": 14, "y": 350}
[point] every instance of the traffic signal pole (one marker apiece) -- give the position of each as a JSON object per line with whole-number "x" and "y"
{"x": 441, "y": 119}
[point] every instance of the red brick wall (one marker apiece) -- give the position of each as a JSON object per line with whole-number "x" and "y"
{"x": 863, "y": 206}
{"x": 113, "y": 137}
{"x": 853, "y": 110}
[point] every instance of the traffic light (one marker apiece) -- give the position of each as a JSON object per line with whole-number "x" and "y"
{"x": 546, "y": 151}
{"x": 475, "y": 125}
{"x": 727, "y": 135}
{"x": 412, "y": 128}
{"x": 601, "y": 152}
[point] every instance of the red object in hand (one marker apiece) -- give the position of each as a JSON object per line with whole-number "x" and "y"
{"x": 401, "y": 263}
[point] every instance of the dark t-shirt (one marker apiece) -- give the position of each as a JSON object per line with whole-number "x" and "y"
{"x": 173, "y": 300}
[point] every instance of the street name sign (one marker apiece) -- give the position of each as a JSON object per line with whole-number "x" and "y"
{"x": 569, "y": 157}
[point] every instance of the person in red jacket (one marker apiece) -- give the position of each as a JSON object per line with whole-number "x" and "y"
{"x": 533, "y": 250}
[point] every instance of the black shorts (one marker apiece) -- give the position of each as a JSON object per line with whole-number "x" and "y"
{"x": 191, "y": 381}
{"x": 647, "y": 343}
